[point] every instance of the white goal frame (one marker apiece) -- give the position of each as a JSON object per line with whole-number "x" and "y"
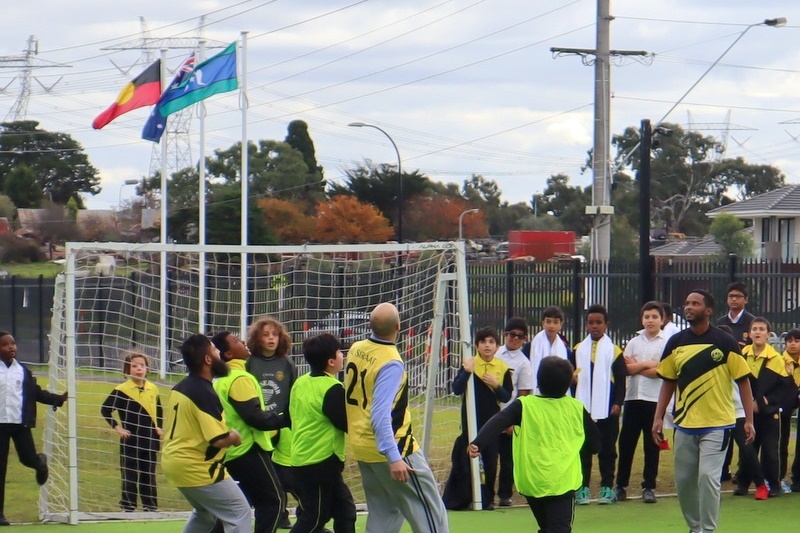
{"x": 63, "y": 449}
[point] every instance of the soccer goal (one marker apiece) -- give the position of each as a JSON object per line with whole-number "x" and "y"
{"x": 114, "y": 298}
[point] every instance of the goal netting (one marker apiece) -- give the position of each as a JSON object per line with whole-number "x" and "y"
{"x": 116, "y": 298}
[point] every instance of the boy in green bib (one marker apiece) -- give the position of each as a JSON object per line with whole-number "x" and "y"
{"x": 553, "y": 429}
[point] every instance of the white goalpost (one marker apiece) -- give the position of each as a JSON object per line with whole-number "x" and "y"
{"x": 113, "y": 299}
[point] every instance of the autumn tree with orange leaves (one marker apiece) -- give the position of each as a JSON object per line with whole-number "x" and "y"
{"x": 287, "y": 220}
{"x": 436, "y": 218}
{"x": 344, "y": 219}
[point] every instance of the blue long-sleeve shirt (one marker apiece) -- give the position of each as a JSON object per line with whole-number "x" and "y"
{"x": 387, "y": 383}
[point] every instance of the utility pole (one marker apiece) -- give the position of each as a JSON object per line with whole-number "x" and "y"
{"x": 601, "y": 208}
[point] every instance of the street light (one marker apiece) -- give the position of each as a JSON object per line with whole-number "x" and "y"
{"x": 461, "y": 222}
{"x": 124, "y": 183}
{"x": 399, "y": 176}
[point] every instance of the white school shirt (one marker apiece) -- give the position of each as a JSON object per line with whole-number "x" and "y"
{"x": 11, "y": 378}
{"x": 642, "y": 349}
{"x": 521, "y": 375}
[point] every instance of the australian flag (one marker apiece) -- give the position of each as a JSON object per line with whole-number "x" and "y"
{"x": 156, "y": 124}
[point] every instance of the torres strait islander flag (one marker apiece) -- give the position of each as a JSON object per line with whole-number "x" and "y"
{"x": 156, "y": 122}
{"x": 143, "y": 90}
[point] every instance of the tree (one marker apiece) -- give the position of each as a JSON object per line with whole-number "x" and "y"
{"x": 347, "y": 220}
{"x": 435, "y": 217}
{"x": 378, "y": 185}
{"x": 287, "y": 220}
{"x": 689, "y": 176}
{"x": 7, "y": 208}
{"x": 729, "y": 233}
{"x": 61, "y": 167}
{"x": 298, "y": 138}
{"x": 567, "y": 203}
{"x": 22, "y": 187}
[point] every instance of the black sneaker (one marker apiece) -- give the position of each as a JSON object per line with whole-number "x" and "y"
{"x": 42, "y": 472}
{"x": 622, "y": 494}
{"x": 775, "y": 492}
{"x": 488, "y": 506}
{"x": 505, "y": 502}
{"x": 648, "y": 496}
{"x": 4, "y": 521}
{"x": 740, "y": 491}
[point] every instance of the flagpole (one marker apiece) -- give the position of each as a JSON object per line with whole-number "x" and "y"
{"x": 163, "y": 284}
{"x": 201, "y": 275}
{"x": 244, "y": 177}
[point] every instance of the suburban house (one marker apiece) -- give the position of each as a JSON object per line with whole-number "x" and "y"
{"x": 774, "y": 217}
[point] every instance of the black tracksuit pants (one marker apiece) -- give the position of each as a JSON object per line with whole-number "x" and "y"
{"x": 607, "y": 457}
{"x": 137, "y": 461}
{"x": 637, "y": 419}
{"x": 554, "y": 514}
{"x": 260, "y": 484}
{"x": 26, "y": 451}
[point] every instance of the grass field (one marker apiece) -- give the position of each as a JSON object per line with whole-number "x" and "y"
{"x": 739, "y": 515}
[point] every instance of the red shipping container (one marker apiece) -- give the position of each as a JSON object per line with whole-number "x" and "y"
{"x": 542, "y": 245}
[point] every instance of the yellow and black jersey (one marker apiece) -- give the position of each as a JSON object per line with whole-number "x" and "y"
{"x": 769, "y": 377}
{"x": 195, "y": 420}
{"x": 703, "y": 367}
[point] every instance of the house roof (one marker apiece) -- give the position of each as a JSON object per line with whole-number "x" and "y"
{"x": 783, "y": 201}
{"x": 693, "y": 247}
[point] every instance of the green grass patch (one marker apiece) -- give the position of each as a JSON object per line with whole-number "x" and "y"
{"x": 32, "y": 270}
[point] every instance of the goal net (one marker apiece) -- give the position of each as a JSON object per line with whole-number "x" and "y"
{"x": 117, "y": 298}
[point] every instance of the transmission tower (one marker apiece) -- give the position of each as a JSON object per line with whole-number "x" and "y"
{"x": 724, "y": 128}
{"x": 176, "y": 134}
{"x": 25, "y": 63}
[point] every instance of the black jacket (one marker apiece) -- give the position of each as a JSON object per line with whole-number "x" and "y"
{"x": 32, "y": 393}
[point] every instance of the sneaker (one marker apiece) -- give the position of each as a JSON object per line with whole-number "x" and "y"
{"x": 607, "y": 496}
{"x": 762, "y": 492}
{"x": 774, "y": 493}
{"x": 488, "y": 506}
{"x": 4, "y": 521}
{"x": 582, "y": 496}
{"x": 740, "y": 491}
{"x": 505, "y": 502}
{"x": 785, "y": 487}
{"x": 42, "y": 472}
{"x": 285, "y": 523}
{"x": 648, "y": 496}
{"x": 622, "y": 494}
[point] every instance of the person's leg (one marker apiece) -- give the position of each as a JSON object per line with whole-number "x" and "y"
{"x": 607, "y": 457}
{"x": 506, "y": 474}
{"x": 148, "y": 456}
{"x": 343, "y": 509}
{"x": 314, "y": 503}
{"x": 796, "y": 461}
{"x": 259, "y": 482}
{"x": 128, "y": 468}
{"x": 384, "y": 514}
{"x": 770, "y": 437}
{"x": 538, "y": 509}
{"x": 5, "y": 439}
{"x": 687, "y": 463}
{"x": 223, "y": 501}
{"x": 422, "y": 506}
{"x": 560, "y": 512}
{"x": 783, "y": 453}
{"x": 628, "y": 439}
{"x": 712, "y": 449}
{"x": 489, "y": 456}
{"x": 26, "y": 451}
{"x": 651, "y": 449}
{"x": 749, "y": 465}
{"x": 586, "y": 467}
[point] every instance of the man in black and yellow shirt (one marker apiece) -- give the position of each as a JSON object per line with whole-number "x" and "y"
{"x": 697, "y": 366}
{"x": 195, "y": 439}
{"x": 397, "y": 480}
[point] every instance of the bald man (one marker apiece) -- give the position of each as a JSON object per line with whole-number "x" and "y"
{"x": 397, "y": 480}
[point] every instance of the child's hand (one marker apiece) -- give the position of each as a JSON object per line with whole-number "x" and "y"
{"x": 124, "y": 433}
{"x": 491, "y": 380}
{"x": 509, "y": 431}
{"x": 469, "y": 364}
{"x": 473, "y": 451}
{"x": 159, "y": 432}
{"x": 615, "y": 410}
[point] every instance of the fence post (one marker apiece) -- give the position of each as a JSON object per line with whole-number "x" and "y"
{"x": 732, "y": 267}
{"x": 509, "y": 289}
{"x": 41, "y": 319}
{"x": 14, "y": 305}
{"x": 577, "y": 298}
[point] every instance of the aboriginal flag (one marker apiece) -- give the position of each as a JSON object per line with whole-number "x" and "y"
{"x": 143, "y": 90}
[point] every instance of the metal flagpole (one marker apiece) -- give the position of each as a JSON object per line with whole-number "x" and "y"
{"x": 163, "y": 284}
{"x": 244, "y": 177}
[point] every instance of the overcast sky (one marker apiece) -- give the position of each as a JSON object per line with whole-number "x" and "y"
{"x": 462, "y": 86}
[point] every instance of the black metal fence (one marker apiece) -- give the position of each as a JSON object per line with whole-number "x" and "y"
{"x": 497, "y": 292}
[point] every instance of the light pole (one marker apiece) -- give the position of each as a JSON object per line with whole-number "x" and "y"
{"x": 124, "y": 183}
{"x": 461, "y": 222}
{"x": 399, "y": 176}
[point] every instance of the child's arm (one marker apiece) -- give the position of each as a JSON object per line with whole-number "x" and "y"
{"x": 47, "y": 397}
{"x": 487, "y": 436}
{"x": 333, "y": 406}
{"x": 592, "y": 437}
{"x": 244, "y": 399}
{"x": 460, "y": 381}
{"x": 620, "y": 373}
{"x": 159, "y": 417}
{"x": 506, "y": 389}
{"x": 110, "y": 405}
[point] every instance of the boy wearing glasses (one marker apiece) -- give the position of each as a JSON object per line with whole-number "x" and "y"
{"x": 514, "y": 336}
{"x": 737, "y": 317}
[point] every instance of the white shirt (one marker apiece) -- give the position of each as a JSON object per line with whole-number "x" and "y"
{"x": 521, "y": 375}
{"x": 641, "y": 349}
{"x": 671, "y": 329}
{"x": 11, "y": 378}
{"x": 735, "y": 319}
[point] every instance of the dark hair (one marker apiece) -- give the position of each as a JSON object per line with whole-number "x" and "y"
{"x": 597, "y": 308}
{"x": 554, "y": 376}
{"x": 761, "y": 320}
{"x": 319, "y": 349}
{"x": 516, "y": 322}
{"x": 791, "y": 334}
{"x": 708, "y": 298}
{"x": 727, "y": 329}
{"x": 220, "y": 340}
{"x": 126, "y": 363}
{"x": 653, "y": 305}
{"x": 194, "y": 350}
{"x": 553, "y": 312}
{"x": 737, "y": 286}
{"x": 485, "y": 333}
{"x": 4, "y": 333}
{"x": 667, "y": 309}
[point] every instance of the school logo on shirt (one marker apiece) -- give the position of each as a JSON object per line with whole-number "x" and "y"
{"x": 744, "y": 336}
{"x": 279, "y": 375}
{"x": 717, "y": 355}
